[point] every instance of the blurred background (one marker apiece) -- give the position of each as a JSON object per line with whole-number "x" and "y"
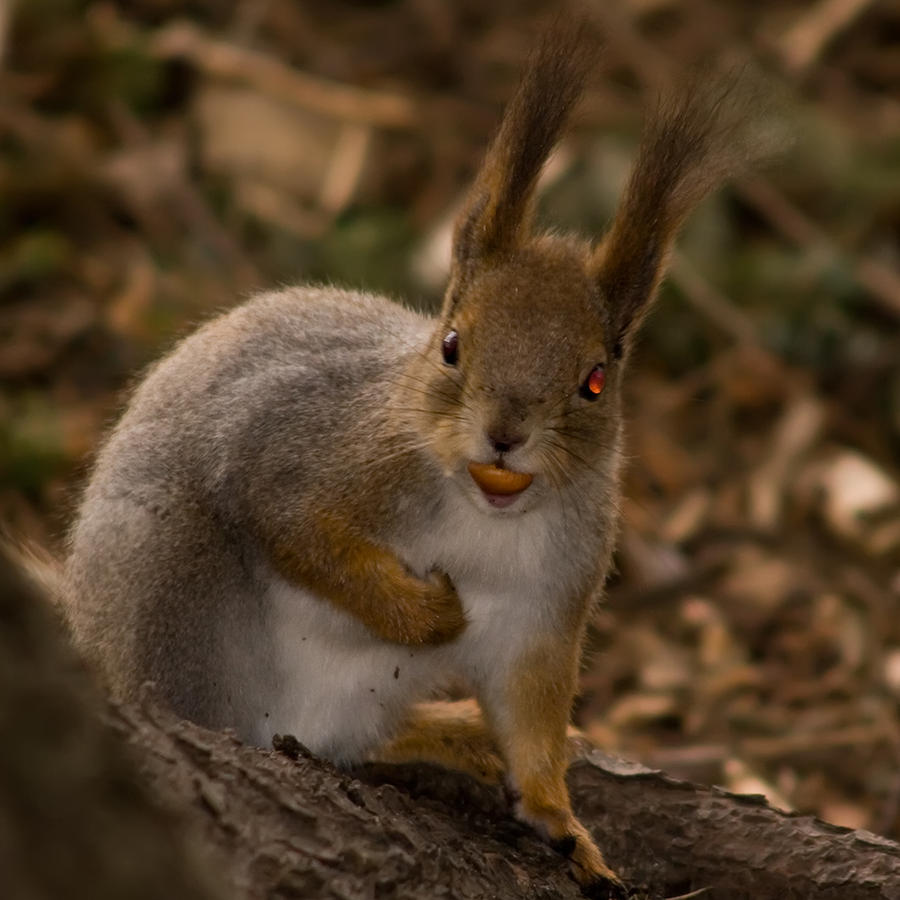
{"x": 162, "y": 159}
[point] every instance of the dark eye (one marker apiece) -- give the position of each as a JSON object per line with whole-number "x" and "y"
{"x": 594, "y": 383}
{"x": 450, "y": 348}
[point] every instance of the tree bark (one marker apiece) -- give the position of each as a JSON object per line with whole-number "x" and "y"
{"x": 81, "y": 816}
{"x": 301, "y": 828}
{"x": 76, "y": 820}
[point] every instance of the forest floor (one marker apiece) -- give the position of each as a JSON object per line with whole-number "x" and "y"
{"x": 154, "y": 170}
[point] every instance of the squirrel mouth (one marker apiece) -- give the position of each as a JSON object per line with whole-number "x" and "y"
{"x": 501, "y": 487}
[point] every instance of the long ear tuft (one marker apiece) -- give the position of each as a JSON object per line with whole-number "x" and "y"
{"x": 713, "y": 129}
{"x": 497, "y": 211}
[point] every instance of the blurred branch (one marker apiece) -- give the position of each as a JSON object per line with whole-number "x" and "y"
{"x": 797, "y": 431}
{"x": 713, "y": 304}
{"x": 798, "y": 745}
{"x": 881, "y": 282}
{"x": 248, "y": 17}
{"x": 802, "y": 45}
{"x": 328, "y": 98}
{"x": 346, "y": 166}
{"x": 152, "y": 177}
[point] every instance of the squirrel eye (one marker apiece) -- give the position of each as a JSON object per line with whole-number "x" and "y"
{"x": 594, "y": 383}
{"x": 450, "y": 348}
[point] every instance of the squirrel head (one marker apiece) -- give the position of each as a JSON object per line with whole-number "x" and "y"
{"x": 519, "y": 387}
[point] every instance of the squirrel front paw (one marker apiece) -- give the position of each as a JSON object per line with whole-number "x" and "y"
{"x": 424, "y": 611}
{"x": 570, "y": 838}
{"x": 446, "y": 618}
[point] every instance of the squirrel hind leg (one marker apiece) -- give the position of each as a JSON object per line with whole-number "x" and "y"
{"x": 451, "y": 734}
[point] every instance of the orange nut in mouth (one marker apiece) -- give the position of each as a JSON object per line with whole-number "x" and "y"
{"x": 493, "y": 480}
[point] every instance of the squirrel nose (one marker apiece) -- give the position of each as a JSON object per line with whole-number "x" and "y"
{"x": 505, "y": 441}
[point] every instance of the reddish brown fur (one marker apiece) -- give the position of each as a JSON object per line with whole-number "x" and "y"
{"x": 370, "y": 582}
{"x": 582, "y": 307}
{"x": 449, "y": 734}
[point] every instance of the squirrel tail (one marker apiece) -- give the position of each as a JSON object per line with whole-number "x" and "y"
{"x": 41, "y": 568}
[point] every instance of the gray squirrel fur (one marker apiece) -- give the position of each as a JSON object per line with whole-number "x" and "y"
{"x": 287, "y": 531}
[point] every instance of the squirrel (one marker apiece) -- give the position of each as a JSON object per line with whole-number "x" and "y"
{"x": 322, "y": 507}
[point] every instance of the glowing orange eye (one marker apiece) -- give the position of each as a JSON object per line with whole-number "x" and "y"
{"x": 594, "y": 383}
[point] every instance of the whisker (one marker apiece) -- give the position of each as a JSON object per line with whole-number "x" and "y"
{"x": 577, "y": 411}
{"x": 423, "y": 387}
{"x": 444, "y": 415}
{"x": 398, "y": 453}
{"x": 560, "y": 402}
{"x": 578, "y": 458}
{"x": 571, "y": 433}
{"x": 554, "y": 470}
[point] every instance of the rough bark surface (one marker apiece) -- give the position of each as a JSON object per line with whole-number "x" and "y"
{"x": 301, "y": 828}
{"x": 76, "y": 820}
{"x": 79, "y": 818}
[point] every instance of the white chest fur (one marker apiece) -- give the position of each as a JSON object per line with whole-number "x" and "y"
{"x": 502, "y": 566}
{"x": 342, "y": 691}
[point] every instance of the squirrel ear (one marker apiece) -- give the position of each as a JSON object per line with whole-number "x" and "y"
{"x": 496, "y": 215}
{"x": 711, "y": 130}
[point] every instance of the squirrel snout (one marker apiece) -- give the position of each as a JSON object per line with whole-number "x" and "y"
{"x": 505, "y": 441}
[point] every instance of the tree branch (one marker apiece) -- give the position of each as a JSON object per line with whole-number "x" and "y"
{"x": 81, "y": 817}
